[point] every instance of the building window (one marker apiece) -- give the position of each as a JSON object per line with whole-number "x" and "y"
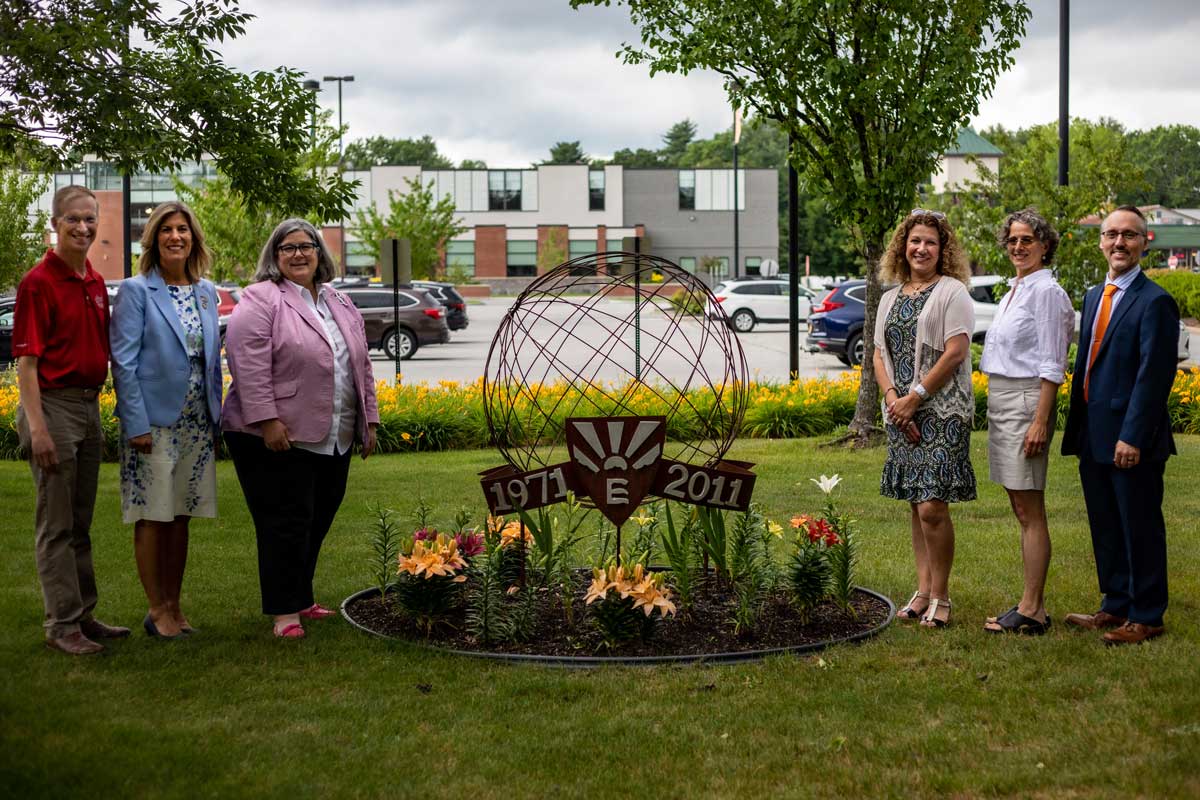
{"x": 687, "y": 189}
{"x": 582, "y": 247}
{"x": 596, "y": 190}
{"x": 460, "y": 257}
{"x": 522, "y": 259}
{"x": 688, "y": 263}
{"x": 753, "y": 265}
{"x": 504, "y": 190}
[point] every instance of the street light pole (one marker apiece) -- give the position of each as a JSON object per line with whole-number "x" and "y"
{"x": 341, "y": 222}
{"x": 314, "y": 87}
{"x": 340, "y": 80}
{"x": 1064, "y": 71}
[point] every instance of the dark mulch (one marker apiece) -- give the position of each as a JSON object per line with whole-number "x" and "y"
{"x": 706, "y": 629}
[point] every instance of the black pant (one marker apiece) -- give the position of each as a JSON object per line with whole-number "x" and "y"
{"x": 1129, "y": 536}
{"x": 293, "y": 497}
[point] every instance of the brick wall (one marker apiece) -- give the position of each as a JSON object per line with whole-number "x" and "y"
{"x": 106, "y": 252}
{"x": 491, "y": 251}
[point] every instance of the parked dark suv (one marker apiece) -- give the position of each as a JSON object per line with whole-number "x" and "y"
{"x": 7, "y": 305}
{"x": 448, "y": 296}
{"x": 422, "y": 320}
{"x": 836, "y": 323}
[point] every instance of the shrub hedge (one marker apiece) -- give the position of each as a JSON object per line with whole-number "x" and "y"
{"x": 449, "y": 415}
{"x": 1183, "y": 286}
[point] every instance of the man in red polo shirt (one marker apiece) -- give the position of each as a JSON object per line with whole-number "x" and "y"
{"x": 60, "y": 341}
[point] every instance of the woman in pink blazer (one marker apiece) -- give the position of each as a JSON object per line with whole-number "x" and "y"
{"x": 303, "y": 392}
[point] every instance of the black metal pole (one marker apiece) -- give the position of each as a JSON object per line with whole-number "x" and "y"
{"x": 637, "y": 316}
{"x": 127, "y": 224}
{"x": 396, "y": 302}
{"x": 737, "y": 264}
{"x": 1064, "y": 71}
{"x": 793, "y": 264}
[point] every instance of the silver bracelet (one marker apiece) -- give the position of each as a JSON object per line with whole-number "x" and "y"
{"x": 921, "y": 391}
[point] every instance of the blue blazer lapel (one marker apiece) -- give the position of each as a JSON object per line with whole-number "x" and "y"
{"x": 208, "y": 323}
{"x": 162, "y": 301}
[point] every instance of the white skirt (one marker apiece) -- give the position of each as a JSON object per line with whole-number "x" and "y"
{"x": 1012, "y": 404}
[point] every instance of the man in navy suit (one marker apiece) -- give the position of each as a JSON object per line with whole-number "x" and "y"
{"x": 1119, "y": 426}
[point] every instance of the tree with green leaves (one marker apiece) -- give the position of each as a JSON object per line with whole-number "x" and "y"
{"x": 235, "y": 228}
{"x": 234, "y": 231}
{"x": 872, "y": 92}
{"x": 566, "y": 153}
{"x": 22, "y": 237}
{"x": 676, "y": 141}
{"x": 380, "y": 150}
{"x": 143, "y": 88}
{"x": 412, "y": 215}
{"x": 1170, "y": 158}
{"x": 472, "y": 163}
{"x": 641, "y": 158}
{"x": 1100, "y": 169}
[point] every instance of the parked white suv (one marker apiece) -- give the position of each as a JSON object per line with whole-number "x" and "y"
{"x": 985, "y": 301}
{"x": 749, "y": 301}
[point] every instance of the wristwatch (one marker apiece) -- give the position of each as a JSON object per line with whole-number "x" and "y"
{"x": 921, "y": 391}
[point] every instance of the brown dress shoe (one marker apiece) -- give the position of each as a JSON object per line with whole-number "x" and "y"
{"x": 95, "y": 629}
{"x": 74, "y": 644}
{"x": 1099, "y": 621}
{"x": 1133, "y": 633}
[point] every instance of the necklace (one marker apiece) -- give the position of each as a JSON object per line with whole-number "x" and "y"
{"x": 920, "y": 287}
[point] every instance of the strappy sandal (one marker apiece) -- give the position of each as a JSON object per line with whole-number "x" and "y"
{"x": 930, "y": 620}
{"x": 1014, "y": 621}
{"x": 910, "y": 614}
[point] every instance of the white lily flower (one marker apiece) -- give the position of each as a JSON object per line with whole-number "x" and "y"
{"x": 827, "y": 483}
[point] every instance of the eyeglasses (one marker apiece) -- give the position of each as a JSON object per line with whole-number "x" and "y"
{"x": 925, "y": 212}
{"x": 289, "y": 250}
{"x": 1112, "y": 236}
{"x": 1024, "y": 241}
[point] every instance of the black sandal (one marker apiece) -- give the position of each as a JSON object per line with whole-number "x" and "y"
{"x": 1014, "y": 621}
{"x": 910, "y": 614}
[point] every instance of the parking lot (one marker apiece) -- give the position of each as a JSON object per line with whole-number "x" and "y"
{"x": 464, "y": 358}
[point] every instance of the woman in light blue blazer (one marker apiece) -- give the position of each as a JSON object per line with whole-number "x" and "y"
{"x": 166, "y": 365}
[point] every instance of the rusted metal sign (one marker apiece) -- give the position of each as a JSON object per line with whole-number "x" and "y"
{"x": 617, "y": 463}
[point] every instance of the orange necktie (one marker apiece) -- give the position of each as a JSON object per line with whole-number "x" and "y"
{"x": 1098, "y": 337}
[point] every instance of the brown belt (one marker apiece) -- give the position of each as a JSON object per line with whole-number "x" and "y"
{"x": 74, "y": 392}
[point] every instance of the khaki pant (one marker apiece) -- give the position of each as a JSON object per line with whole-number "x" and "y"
{"x": 66, "y": 497}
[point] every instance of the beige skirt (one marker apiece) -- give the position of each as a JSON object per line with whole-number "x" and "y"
{"x": 1012, "y": 403}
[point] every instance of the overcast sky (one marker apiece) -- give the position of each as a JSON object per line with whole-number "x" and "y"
{"x": 502, "y": 80}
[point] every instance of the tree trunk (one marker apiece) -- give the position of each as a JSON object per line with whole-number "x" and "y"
{"x": 863, "y": 431}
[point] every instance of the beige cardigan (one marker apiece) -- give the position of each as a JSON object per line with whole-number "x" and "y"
{"x": 947, "y": 313}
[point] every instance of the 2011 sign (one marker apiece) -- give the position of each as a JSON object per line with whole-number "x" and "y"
{"x": 728, "y": 484}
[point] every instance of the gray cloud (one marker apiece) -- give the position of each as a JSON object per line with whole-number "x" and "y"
{"x": 504, "y": 80}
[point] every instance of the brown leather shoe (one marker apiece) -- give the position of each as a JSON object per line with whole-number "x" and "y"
{"x": 1099, "y": 621}
{"x": 74, "y": 644}
{"x": 95, "y": 629}
{"x": 1133, "y": 633}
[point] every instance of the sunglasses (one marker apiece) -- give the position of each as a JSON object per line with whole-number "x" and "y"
{"x": 925, "y": 212}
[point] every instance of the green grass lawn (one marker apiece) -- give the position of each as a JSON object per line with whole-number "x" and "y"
{"x": 235, "y": 713}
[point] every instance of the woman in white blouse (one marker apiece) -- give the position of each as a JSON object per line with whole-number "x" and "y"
{"x": 1025, "y": 358}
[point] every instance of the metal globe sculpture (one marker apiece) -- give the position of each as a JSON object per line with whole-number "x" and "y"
{"x": 609, "y": 335}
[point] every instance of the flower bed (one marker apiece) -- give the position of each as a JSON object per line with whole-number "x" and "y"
{"x": 449, "y": 415}
{"x": 721, "y": 585}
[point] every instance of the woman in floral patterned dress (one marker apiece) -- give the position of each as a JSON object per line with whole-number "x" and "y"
{"x": 166, "y": 365}
{"x": 923, "y": 365}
